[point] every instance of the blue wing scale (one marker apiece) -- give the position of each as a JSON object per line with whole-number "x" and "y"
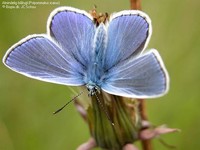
{"x": 40, "y": 58}
{"x": 142, "y": 77}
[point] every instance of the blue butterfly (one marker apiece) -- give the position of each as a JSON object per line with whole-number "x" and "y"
{"x": 107, "y": 57}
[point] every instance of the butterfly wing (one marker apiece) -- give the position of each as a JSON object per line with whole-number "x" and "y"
{"x": 39, "y": 57}
{"x": 59, "y": 57}
{"x": 74, "y": 30}
{"x": 128, "y": 34}
{"x": 142, "y": 77}
{"x": 127, "y": 73}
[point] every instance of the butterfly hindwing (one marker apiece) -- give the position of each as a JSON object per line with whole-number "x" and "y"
{"x": 128, "y": 34}
{"x": 74, "y": 30}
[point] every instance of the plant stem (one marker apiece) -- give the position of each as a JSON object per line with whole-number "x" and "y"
{"x": 135, "y": 4}
{"x": 146, "y": 144}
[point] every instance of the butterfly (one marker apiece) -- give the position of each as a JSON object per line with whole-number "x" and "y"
{"x": 109, "y": 57}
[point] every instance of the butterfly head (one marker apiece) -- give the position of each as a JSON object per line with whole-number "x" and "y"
{"x": 92, "y": 88}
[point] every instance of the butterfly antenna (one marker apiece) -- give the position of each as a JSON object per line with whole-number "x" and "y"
{"x": 103, "y": 108}
{"x": 57, "y": 111}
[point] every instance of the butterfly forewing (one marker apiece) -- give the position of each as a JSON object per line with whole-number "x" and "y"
{"x": 142, "y": 77}
{"x": 38, "y": 57}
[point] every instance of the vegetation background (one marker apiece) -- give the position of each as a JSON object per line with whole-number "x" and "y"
{"x": 26, "y": 105}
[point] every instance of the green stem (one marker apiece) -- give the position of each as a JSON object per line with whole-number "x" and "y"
{"x": 126, "y": 127}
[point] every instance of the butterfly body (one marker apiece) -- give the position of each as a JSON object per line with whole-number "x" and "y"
{"x": 109, "y": 56}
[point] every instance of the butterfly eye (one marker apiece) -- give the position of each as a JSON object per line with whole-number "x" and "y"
{"x": 89, "y": 89}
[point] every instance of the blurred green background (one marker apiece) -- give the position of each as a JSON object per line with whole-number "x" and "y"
{"x": 26, "y": 105}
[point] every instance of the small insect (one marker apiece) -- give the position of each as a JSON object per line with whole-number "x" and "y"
{"x": 109, "y": 57}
